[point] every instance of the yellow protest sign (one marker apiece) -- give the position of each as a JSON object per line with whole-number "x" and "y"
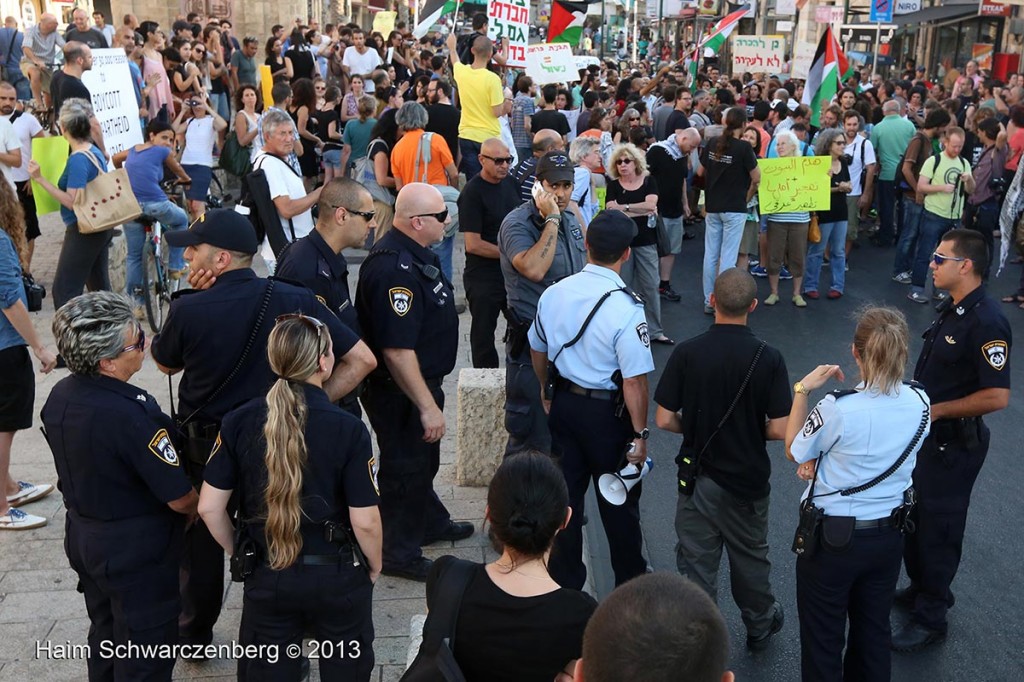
{"x": 384, "y": 23}
{"x": 798, "y": 183}
{"x": 601, "y": 193}
{"x": 266, "y": 84}
{"x": 51, "y": 153}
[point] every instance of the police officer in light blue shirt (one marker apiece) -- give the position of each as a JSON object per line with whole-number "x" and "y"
{"x": 591, "y": 329}
{"x": 858, "y": 449}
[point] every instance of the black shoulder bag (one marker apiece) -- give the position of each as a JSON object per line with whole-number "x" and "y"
{"x": 688, "y": 463}
{"x": 199, "y": 438}
{"x": 836, "y": 532}
{"x": 435, "y": 661}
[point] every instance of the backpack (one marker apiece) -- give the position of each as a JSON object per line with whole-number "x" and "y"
{"x": 365, "y": 175}
{"x": 260, "y": 208}
{"x": 901, "y": 180}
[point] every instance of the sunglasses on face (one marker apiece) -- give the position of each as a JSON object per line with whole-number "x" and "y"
{"x": 311, "y": 322}
{"x": 939, "y": 259}
{"x": 138, "y": 345}
{"x": 500, "y": 160}
{"x": 440, "y": 216}
{"x": 362, "y": 214}
{"x": 623, "y": 162}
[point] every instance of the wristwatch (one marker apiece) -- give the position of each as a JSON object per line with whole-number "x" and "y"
{"x": 798, "y": 387}
{"x": 643, "y": 434}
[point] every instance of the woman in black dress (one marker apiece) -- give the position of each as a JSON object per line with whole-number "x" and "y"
{"x": 299, "y": 59}
{"x": 303, "y": 111}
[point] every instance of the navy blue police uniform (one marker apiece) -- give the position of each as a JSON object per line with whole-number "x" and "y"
{"x": 856, "y": 436}
{"x": 404, "y": 301}
{"x": 310, "y": 261}
{"x": 118, "y": 468}
{"x": 324, "y": 592}
{"x": 966, "y": 349}
{"x": 205, "y": 334}
{"x": 587, "y": 437}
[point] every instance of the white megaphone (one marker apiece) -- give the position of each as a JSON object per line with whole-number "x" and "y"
{"x": 615, "y": 487}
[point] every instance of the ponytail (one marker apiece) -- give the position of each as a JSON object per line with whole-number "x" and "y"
{"x": 285, "y": 459}
{"x": 735, "y": 120}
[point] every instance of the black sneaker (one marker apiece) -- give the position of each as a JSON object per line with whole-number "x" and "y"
{"x": 668, "y": 294}
{"x": 761, "y": 643}
{"x": 417, "y": 570}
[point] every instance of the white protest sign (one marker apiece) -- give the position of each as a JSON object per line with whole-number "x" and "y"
{"x": 802, "y": 59}
{"x": 785, "y": 8}
{"x": 756, "y": 54}
{"x": 551, "y": 63}
{"x": 113, "y": 99}
{"x": 510, "y": 19}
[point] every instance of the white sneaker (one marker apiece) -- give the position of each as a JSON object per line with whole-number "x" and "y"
{"x": 16, "y": 519}
{"x": 28, "y": 492}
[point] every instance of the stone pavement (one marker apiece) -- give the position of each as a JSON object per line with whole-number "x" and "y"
{"x": 38, "y": 600}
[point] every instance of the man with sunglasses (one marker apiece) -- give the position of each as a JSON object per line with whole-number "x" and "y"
{"x": 483, "y": 204}
{"x": 406, "y": 309}
{"x": 217, "y": 337}
{"x": 539, "y": 243}
{"x": 965, "y": 367}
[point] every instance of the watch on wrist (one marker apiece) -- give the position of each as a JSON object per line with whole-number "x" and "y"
{"x": 799, "y": 387}
{"x": 643, "y": 434}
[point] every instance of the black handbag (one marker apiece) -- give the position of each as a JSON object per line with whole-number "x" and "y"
{"x": 664, "y": 239}
{"x": 35, "y": 293}
{"x": 435, "y": 661}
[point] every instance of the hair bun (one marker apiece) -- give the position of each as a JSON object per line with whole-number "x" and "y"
{"x": 520, "y": 521}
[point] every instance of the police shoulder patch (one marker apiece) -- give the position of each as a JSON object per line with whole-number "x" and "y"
{"x": 644, "y": 334}
{"x": 401, "y": 300}
{"x": 995, "y": 353}
{"x": 161, "y": 446}
{"x": 372, "y": 468}
{"x": 322, "y": 300}
{"x": 215, "y": 449}
{"x": 813, "y": 423}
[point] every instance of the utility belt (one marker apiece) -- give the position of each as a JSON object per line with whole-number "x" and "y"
{"x": 563, "y": 384}
{"x": 199, "y": 438}
{"x": 556, "y": 382}
{"x": 380, "y": 381}
{"x": 964, "y": 431}
{"x": 516, "y": 333}
{"x": 835, "y": 533}
{"x": 246, "y": 556}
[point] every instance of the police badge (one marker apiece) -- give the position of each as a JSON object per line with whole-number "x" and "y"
{"x": 644, "y": 334}
{"x": 995, "y": 354}
{"x": 401, "y": 300}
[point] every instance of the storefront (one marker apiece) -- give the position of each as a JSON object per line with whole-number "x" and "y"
{"x": 950, "y": 35}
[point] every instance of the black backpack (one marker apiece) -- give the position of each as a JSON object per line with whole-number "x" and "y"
{"x": 901, "y": 181}
{"x": 266, "y": 221}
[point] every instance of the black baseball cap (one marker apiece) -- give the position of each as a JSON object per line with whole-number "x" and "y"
{"x": 221, "y": 227}
{"x": 555, "y": 166}
{"x": 610, "y": 232}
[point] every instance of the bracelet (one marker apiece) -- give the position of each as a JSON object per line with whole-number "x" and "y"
{"x": 555, "y": 218}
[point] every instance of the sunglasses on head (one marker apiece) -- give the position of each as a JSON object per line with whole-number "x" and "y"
{"x": 311, "y": 322}
{"x": 440, "y": 216}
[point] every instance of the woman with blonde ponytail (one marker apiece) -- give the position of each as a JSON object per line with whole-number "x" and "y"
{"x": 857, "y": 448}
{"x": 306, "y": 479}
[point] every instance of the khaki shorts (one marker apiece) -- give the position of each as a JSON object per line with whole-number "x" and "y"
{"x": 853, "y": 219}
{"x": 45, "y": 73}
{"x": 748, "y": 243}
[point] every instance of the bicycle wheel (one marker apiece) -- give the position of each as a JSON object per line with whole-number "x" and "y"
{"x": 151, "y": 287}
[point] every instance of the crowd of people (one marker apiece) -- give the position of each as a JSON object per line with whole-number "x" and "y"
{"x": 573, "y": 200}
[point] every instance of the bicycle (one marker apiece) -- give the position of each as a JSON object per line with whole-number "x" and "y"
{"x": 157, "y": 284}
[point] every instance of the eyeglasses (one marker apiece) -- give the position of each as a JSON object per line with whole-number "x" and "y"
{"x": 939, "y": 259}
{"x": 623, "y": 162}
{"x": 362, "y": 214}
{"x": 440, "y": 216}
{"x": 311, "y": 322}
{"x": 138, "y": 345}
{"x": 500, "y": 160}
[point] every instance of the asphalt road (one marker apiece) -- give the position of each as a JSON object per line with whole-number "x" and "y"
{"x": 986, "y": 630}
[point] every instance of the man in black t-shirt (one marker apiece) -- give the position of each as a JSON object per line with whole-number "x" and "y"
{"x": 668, "y": 161}
{"x": 483, "y": 204}
{"x": 82, "y": 32}
{"x": 67, "y": 83}
{"x": 728, "y": 502}
{"x": 442, "y": 117}
{"x": 549, "y": 118}
{"x": 679, "y": 119}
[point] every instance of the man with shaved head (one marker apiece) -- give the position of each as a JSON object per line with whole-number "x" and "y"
{"x": 406, "y": 310}
{"x": 668, "y": 161}
{"x": 525, "y": 173}
{"x": 483, "y": 204}
{"x": 39, "y": 53}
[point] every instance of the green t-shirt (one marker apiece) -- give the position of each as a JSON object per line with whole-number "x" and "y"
{"x": 948, "y": 172}
{"x": 890, "y": 139}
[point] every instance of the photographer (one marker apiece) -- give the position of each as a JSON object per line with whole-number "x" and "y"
{"x": 982, "y": 210}
{"x": 198, "y": 124}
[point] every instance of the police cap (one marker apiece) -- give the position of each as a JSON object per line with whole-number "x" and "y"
{"x": 220, "y": 227}
{"x": 611, "y": 232}
{"x": 555, "y": 166}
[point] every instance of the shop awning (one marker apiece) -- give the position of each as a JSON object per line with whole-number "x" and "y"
{"x": 943, "y": 13}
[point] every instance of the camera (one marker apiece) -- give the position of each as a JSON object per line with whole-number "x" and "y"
{"x": 847, "y": 159}
{"x": 193, "y": 102}
{"x": 998, "y": 184}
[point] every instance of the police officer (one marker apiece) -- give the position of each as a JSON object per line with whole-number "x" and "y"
{"x": 289, "y": 456}
{"x": 539, "y": 243}
{"x": 965, "y": 367}
{"x": 851, "y": 571}
{"x": 218, "y": 337}
{"x": 316, "y": 260}
{"x": 590, "y": 326}
{"x": 407, "y": 312}
{"x": 126, "y": 509}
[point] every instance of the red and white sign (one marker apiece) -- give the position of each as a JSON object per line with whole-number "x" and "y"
{"x": 994, "y": 9}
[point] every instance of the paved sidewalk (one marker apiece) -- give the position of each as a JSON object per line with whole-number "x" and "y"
{"x": 38, "y": 601}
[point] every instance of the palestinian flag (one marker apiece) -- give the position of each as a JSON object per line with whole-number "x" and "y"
{"x": 721, "y": 31}
{"x": 432, "y": 11}
{"x": 566, "y": 23}
{"x": 823, "y": 80}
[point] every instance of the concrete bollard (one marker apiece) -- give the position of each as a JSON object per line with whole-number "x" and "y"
{"x": 481, "y": 436}
{"x": 117, "y": 264}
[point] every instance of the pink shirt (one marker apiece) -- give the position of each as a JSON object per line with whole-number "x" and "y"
{"x": 160, "y": 94}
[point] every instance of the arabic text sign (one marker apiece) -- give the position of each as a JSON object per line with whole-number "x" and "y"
{"x": 113, "y": 99}
{"x": 758, "y": 53}
{"x": 551, "y": 63}
{"x": 799, "y": 183}
{"x": 510, "y": 19}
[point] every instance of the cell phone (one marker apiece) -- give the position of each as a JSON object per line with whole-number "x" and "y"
{"x": 537, "y": 190}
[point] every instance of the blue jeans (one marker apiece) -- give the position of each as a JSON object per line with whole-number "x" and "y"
{"x": 833, "y": 235}
{"x": 444, "y": 250}
{"x": 932, "y": 228}
{"x": 886, "y": 198}
{"x": 171, "y": 217}
{"x": 470, "y": 158}
{"x": 722, "y": 235}
{"x": 222, "y": 103}
{"x": 908, "y": 237}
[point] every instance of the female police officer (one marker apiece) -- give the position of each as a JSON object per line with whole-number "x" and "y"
{"x": 847, "y": 443}
{"x": 126, "y": 494}
{"x": 305, "y": 473}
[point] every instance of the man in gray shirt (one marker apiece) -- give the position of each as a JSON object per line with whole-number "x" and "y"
{"x": 39, "y": 51}
{"x": 539, "y": 243}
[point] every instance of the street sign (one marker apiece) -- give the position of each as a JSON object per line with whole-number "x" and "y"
{"x": 881, "y": 11}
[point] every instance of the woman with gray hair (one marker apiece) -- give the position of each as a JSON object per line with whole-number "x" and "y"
{"x": 83, "y": 257}
{"x": 126, "y": 494}
{"x": 585, "y": 152}
{"x": 787, "y": 235}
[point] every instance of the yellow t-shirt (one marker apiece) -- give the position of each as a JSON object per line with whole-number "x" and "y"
{"x": 949, "y": 171}
{"x": 479, "y": 90}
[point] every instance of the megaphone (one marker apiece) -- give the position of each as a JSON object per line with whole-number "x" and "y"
{"x": 615, "y": 487}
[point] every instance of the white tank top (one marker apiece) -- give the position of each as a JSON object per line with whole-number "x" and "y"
{"x": 199, "y": 139}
